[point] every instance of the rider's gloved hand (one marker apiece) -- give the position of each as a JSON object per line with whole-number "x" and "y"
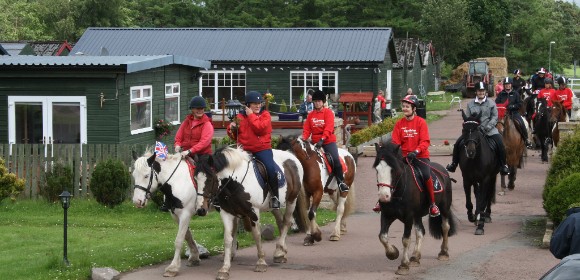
{"x": 412, "y": 155}
{"x": 319, "y": 144}
{"x": 185, "y": 153}
{"x": 177, "y": 149}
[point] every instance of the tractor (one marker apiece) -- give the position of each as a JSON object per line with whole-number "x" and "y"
{"x": 478, "y": 72}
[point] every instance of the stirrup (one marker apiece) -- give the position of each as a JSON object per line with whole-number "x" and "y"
{"x": 504, "y": 170}
{"x": 275, "y": 203}
{"x": 343, "y": 187}
{"x": 434, "y": 210}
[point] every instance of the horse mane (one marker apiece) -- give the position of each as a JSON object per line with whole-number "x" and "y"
{"x": 285, "y": 143}
{"x": 229, "y": 157}
{"x": 390, "y": 153}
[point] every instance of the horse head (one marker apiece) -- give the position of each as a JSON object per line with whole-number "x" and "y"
{"x": 207, "y": 182}
{"x": 471, "y": 134}
{"x": 227, "y": 159}
{"x": 388, "y": 165}
{"x": 145, "y": 174}
{"x": 558, "y": 113}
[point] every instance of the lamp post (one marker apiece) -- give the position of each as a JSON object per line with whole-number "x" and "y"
{"x": 65, "y": 201}
{"x": 233, "y": 108}
{"x": 505, "y": 42}
{"x": 550, "y": 57}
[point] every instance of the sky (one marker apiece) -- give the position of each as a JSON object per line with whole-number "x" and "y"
{"x": 574, "y": 1}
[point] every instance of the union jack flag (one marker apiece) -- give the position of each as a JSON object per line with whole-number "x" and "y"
{"x": 161, "y": 150}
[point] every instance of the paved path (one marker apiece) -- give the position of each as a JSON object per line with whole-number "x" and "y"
{"x": 504, "y": 252}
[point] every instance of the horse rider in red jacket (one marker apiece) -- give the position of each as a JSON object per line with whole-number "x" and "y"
{"x": 564, "y": 94}
{"x": 254, "y": 133}
{"x": 320, "y": 125}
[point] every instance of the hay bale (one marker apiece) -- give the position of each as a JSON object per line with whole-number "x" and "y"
{"x": 498, "y": 67}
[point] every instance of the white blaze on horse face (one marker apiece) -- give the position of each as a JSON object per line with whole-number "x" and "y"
{"x": 201, "y": 179}
{"x": 141, "y": 176}
{"x": 384, "y": 179}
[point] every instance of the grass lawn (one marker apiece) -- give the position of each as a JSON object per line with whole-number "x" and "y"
{"x": 123, "y": 238}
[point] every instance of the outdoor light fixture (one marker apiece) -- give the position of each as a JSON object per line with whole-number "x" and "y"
{"x": 504, "y": 43}
{"x": 233, "y": 108}
{"x": 65, "y": 201}
{"x": 550, "y": 58}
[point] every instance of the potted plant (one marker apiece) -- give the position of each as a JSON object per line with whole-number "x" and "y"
{"x": 208, "y": 111}
{"x": 162, "y": 129}
{"x": 284, "y": 115}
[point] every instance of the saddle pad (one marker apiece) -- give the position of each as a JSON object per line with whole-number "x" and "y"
{"x": 261, "y": 178}
{"x": 328, "y": 159}
{"x": 420, "y": 183}
{"x": 191, "y": 167}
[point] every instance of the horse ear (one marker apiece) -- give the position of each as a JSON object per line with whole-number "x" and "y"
{"x": 463, "y": 115}
{"x": 134, "y": 154}
{"x": 151, "y": 159}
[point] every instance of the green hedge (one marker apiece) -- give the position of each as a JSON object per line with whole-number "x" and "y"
{"x": 564, "y": 162}
{"x": 373, "y": 131}
{"x": 562, "y": 196}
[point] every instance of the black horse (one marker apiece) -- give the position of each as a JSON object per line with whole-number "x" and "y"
{"x": 401, "y": 199}
{"x": 543, "y": 126}
{"x": 479, "y": 167}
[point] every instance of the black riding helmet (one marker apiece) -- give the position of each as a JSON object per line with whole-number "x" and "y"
{"x": 197, "y": 102}
{"x": 254, "y": 97}
{"x": 562, "y": 80}
{"x": 480, "y": 85}
{"x": 319, "y": 95}
{"x": 507, "y": 80}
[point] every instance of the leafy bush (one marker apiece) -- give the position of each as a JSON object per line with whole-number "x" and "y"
{"x": 283, "y": 106}
{"x": 10, "y": 185}
{"x": 373, "y": 131}
{"x": 110, "y": 182}
{"x": 56, "y": 180}
{"x": 564, "y": 162}
{"x": 562, "y": 196}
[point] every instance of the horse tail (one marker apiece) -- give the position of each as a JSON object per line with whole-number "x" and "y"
{"x": 349, "y": 205}
{"x": 301, "y": 211}
{"x": 436, "y": 225}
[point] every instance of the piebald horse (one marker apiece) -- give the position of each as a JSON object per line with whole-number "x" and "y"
{"x": 241, "y": 196}
{"x": 172, "y": 177}
{"x": 317, "y": 181}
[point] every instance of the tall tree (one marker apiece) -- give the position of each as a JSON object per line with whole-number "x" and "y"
{"x": 446, "y": 23}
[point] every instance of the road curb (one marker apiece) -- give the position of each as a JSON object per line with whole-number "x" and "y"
{"x": 548, "y": 234}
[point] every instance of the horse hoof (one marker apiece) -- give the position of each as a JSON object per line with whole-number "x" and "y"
{"x": 334, "y": 238}
{"x": 393, "y": 255}
{"x": 280, "y": 259}
{"x": 502, "y": 193}
{"x": 170, "y": 274}
{"x": 261, "y": 268}
{"x": 443, "y": 257}
{"x": 487, "y": 220}
{"x": 317, "y": 236}
{"x": 479, "y": 231}
{"x": 223, "y": 276}
{"x": 193, "y": 262}
{"x": 471, "y": 218}
{"x": 414, "y": 262}
{"x": 308, "y": 240}
{"x": 403, "y": 270}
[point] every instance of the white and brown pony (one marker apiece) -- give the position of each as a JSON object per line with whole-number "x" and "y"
{"x": 241, "y": 196}
{"x": 183, "y": 196}
{"x": 317, "y": 181}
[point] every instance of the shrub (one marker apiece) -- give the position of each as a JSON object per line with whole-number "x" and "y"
{"x": 283, "y": 106}
{"x": 56, "y": 180}
{"x": 562, "y": 196}
{"x": 110, "y": 182}
{"x": 564, "y": 162}
{"x": 373, "y": 131}
{"x": 10, "y": 185}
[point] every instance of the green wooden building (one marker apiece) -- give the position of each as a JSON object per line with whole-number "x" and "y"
{"x": 93, "y": 99}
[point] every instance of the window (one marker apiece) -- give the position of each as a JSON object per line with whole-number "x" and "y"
{"x": 302, "y": 81}
{"x": 172, "y": 95}
{"x": 141, "y": 98}
{"x": 218, "y": 85}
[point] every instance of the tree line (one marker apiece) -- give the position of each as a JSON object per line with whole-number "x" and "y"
{"x": 459, "y": 29}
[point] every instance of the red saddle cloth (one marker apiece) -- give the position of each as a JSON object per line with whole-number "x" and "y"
{"x": 329, "y": 165}
{"x": 191, "y": 167}
{"x": 501, "y": 108}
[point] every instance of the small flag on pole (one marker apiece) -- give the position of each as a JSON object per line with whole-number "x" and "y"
{"x": 161, "y": 150}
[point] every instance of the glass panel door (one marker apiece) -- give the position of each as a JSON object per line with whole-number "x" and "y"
{"x": 66, "y": 123}
{"x": 28, "y": 123}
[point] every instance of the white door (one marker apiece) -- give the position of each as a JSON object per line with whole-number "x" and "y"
{"x": 388, "y": 90}
{"x": 47, "y": 120}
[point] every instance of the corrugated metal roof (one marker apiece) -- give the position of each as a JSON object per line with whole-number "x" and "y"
{"x": 13, "y": 48}
{"x": 243, "y": 44}
{"x": 133, "y": 63}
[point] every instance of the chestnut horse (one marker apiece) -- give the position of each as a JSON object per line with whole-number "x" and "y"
{"x": 401, "y": 199}
{"x": 514, "y": 148}
{"x": 317, "y": 181}
{"x": 558, "y": 114}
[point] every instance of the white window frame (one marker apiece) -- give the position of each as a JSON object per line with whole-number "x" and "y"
{"x": 216, "y": 85}
{"x": 173, "y": 94}
{"x": 142, "y": 99}
{"x": 305, "y": 87}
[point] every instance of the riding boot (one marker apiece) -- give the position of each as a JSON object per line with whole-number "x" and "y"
{"x": 455, "y": 159}
{"x": 503, "y": 169}
{"x": 343, "y": 187}
{"x": 433, "y": 209}
{"x": 273, "y": 182}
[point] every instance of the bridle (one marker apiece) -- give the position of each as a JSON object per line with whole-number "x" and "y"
{"x": 469, "y": 139}
{"x": 395, "y": 186}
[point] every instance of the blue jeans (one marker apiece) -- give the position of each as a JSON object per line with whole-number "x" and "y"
{"x": 267, "y": 158}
